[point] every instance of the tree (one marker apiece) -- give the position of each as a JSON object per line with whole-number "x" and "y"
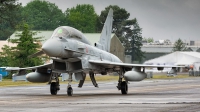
{"x": 5, "y": 30}
{"x": 43, "y": 15}
{"x": 26, "y": 46}
{"x": 150, "y": 40}
{"x": 5, "y": 56}
{"x": 9, "y": 17}
{"x": 179, "y": 45}
{"x": 119, "y": 16}
{"x": 82, "y": 17}
{"x": 128, "y": 31}
{"x": 132, "y": 39}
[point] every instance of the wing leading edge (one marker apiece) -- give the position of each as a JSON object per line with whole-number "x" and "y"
{"x": 108, "y": 63}
{"x": 29, "y": 68}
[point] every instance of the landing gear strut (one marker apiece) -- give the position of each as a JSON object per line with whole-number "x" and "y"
{"x": 69, "y": 88}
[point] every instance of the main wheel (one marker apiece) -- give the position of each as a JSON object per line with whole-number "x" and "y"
{"x": 69, "y": 91}
{"x": 53, "y": 88}
{"x": 124, "y": 87}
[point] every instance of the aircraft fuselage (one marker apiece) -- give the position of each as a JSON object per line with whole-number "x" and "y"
{"x": 70, "y": 48}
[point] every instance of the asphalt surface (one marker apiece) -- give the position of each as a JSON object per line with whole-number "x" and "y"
{"x": 174, "y": 95}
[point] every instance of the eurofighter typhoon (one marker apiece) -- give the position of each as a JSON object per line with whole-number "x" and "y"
{"x": 72, "y": 53}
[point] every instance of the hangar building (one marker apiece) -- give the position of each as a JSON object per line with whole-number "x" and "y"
{"x": 178, "y": 58}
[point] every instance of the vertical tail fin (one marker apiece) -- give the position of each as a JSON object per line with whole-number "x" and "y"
{"x": 106, "y": 32}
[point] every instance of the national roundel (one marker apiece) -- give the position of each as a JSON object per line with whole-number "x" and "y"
{"x": 86, "y": 49}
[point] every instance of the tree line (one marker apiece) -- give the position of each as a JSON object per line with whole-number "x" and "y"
{"x": 43, "y": 15}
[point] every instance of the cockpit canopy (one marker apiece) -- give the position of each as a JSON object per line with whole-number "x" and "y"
{"x": 69, "y": 32}
{"x": 60, "y": 32}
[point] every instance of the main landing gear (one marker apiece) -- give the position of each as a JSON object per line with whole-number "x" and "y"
{"x": 55, "y": 86}
{"x": 122, "y": 85}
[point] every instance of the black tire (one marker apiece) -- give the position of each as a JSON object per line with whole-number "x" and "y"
{"x": 69, "y": 91}
{"x": 53, "y": 88}
{"x": 124, "y": 87}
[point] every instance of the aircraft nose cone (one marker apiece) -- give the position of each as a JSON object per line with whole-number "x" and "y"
{"x": 52, "y": 47}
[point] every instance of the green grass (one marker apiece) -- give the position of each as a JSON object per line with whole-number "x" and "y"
{"x": 164, "y": 76}
{"x": 9, "y": 82}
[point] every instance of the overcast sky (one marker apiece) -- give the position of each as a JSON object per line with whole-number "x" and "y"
{"x": 160, "y": 19}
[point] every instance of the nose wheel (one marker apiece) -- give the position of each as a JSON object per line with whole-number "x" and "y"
{"x": 69, "y": 88}
{"x": 69, "y": 91}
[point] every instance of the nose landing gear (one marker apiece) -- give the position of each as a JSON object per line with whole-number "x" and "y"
{"x": 69, "y": 91}
{"x": 69, "y": 88}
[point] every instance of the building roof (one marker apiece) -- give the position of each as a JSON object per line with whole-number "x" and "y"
{"x": 177, "y": 58}
{"x": 198, "y": 50}
{"x": 44, "y": 34}
{"x": 157, "y": 49}
{"x": 2, "y": 43}
{"x": 194, "y": 48}
{"x": 164, "y": 48}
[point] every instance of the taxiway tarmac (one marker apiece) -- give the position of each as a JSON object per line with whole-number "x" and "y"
{"x": 149, "y": 95}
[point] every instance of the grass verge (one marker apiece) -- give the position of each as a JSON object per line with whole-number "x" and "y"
{"x": 164, "y": 76}
{"x": 9, "y": 82}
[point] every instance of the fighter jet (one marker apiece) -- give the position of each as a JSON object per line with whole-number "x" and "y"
{"x": 72, "y": 53}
